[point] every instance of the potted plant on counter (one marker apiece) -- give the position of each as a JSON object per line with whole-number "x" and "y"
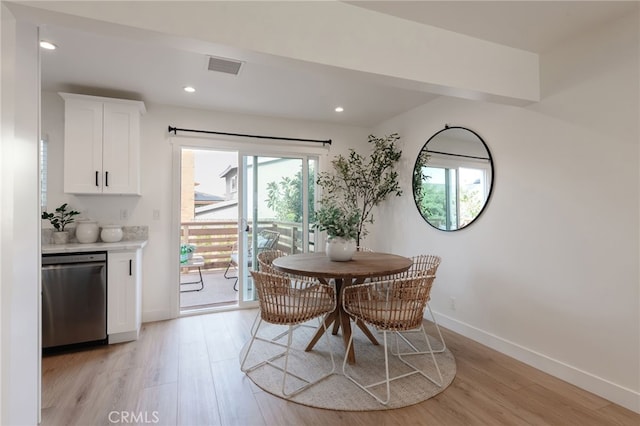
{"x": 60, "y": 219}
{"x": 341, "y": 224}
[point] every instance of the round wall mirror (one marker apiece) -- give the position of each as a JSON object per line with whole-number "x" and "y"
{"x": 452, "y": 178}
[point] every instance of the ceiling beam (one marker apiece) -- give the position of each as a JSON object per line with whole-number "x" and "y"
{"x": 394, "y": 51}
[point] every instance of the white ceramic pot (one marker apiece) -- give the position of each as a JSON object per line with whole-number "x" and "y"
{"x": 340, "y": 249}
{"x": 111, "y": 233}
{"x": 60, "y": 237}
{"x": 87, "y": 231}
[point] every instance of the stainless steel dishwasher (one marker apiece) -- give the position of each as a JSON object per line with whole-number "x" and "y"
{"x": 74, "y": 299}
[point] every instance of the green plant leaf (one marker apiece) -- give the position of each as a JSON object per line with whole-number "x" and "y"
{"x": 359, "y": 183}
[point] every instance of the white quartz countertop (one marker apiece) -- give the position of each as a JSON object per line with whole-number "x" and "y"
{"x": 80, "y": 247}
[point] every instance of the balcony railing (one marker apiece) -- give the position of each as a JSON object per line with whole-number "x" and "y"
{"x": 216, "y": 239}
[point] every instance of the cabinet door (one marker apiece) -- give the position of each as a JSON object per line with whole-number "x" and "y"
{"x": 121, "y": 149}
{"x": 122, "y": 292}
{"x": 83, "y": 147}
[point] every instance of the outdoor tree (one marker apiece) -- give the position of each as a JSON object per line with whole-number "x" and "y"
{"x": 285, "y": 197}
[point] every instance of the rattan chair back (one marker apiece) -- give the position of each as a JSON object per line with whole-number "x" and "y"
{"x": 422, "y": 264}
{"x": 265, "y": 260}
{"x": 394, "y": 305}
{"x": 425, "y": 262}
{"x": 284, "y": 300}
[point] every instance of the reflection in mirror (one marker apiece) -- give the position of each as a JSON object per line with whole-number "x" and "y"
{"x": 452, "y": 178}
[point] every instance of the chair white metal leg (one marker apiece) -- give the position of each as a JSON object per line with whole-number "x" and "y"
{"x": 388, "y": 379}
{"x": 431, "y": 352}
{"x": 433, "y": 318}
{"x": 285, "y": 354}
{"x": 366, "y": 387}
{"x": 442, "y": 343}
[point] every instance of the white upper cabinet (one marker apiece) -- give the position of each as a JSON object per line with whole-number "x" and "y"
{"x": 101, "y": 145}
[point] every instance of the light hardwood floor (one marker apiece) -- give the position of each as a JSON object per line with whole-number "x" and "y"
{"x": 186, "y": 372}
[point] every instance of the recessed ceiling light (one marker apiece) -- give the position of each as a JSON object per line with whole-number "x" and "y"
{"x": 47, "y": 45}
{"x": 339, "y": 109}
{"x": 189, "y": 89}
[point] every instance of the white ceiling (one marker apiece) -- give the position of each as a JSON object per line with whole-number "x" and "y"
{"x": 137, "y": 68}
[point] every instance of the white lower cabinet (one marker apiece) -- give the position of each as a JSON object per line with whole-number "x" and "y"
{"x": 124, "y": 295}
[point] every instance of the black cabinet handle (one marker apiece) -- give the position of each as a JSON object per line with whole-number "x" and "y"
{"x": 97, "y": 178}
{"x": 130, "y": 267}
{"x": 106, "y": 178}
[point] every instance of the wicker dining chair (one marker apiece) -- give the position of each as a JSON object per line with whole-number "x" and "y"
{"x": 423, "y": 263}
{"x": 284, "y": 301}
{"x": 391, "y": 306}
{"x": 266, "y": 258}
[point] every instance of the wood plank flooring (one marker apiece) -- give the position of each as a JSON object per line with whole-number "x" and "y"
{"x": 186, "y": 372}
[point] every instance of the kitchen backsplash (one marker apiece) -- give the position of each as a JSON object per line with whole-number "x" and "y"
{"x": 129, "y": 233}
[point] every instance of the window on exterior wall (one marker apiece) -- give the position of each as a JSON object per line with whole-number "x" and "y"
{"x": 43, "y": 174}
{"x": 234, "y": 184}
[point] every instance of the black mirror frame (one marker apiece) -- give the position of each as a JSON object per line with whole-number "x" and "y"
{"x": 413, "y": 180}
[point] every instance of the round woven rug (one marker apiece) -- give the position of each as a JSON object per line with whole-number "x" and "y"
{"x": 337, "y": 392}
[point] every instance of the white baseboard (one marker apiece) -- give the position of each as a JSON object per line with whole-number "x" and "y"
{"x": 127, "y": 336}
{"x": 160, "y": 315}
{"x": 613, "y": 392}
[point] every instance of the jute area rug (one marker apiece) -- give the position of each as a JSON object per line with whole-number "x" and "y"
{"x": 337, "y": 392}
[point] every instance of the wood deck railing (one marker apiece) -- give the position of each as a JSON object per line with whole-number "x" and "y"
{"x": 215, "y": 240}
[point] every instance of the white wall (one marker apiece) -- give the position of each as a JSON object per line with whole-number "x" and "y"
{"x": 159, "y": 289}
{"x": 549, "y": 273}
{"x": 19, "y": 219}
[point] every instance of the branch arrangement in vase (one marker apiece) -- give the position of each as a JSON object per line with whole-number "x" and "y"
{"x": 358, "y": 183}
{"x": 337, "y": 221}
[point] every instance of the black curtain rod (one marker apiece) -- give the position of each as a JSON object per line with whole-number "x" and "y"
{"x": 175, "y": 131}
{"x": 459, "y": 155}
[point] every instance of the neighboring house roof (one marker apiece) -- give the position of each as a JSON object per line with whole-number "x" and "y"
{"x": 203, "y": 196}
{"x": 217, "y": 206}
{"x": 228, "y": 170}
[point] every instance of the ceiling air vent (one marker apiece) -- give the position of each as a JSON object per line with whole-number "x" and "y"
{"x": 227, "y": 66}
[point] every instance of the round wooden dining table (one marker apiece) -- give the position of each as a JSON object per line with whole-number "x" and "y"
{"x": 363, "y": 265}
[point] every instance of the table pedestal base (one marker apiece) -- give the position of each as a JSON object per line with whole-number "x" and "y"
{"x": 339, "y": 318}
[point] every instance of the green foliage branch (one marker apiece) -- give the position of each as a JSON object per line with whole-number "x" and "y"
{"x": 359, "y": 183}
{"x": 337, "y": 221}
{"x": 419, "y": 177}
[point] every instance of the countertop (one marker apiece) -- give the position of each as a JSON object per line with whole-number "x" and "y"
{"x": 80, "y": 247}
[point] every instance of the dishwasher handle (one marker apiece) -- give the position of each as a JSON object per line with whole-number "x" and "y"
{"x": 73, "y": 265}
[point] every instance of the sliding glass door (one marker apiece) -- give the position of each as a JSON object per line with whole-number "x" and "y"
{"x": 277, "y": 199}
{"x": 233, "y": 205}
